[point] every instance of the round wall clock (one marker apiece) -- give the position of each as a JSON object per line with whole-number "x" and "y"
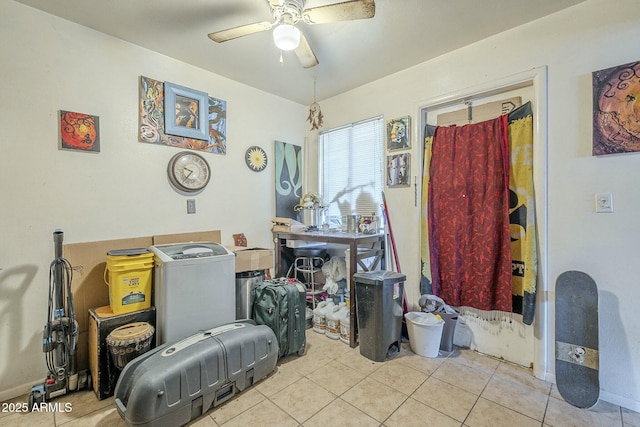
{"x": 189, "y": 171}
{"x": 256, "y": 158}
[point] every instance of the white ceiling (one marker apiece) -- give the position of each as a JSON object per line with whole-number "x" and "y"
{"x": 403, "y": 33}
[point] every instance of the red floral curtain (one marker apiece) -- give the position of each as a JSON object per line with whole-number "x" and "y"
{"x": 469, "y": 215}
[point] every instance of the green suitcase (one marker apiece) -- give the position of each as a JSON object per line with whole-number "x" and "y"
{"x": 281, "y": 305}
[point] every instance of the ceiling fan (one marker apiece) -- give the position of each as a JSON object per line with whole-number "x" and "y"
{"x": 287, "y": 13}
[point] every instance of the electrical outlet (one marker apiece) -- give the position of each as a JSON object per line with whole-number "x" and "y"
{"x": 604, "y": 202}
{"x": 191, "y": 206}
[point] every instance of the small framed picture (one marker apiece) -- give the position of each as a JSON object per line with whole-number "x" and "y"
{"x": 399, "y": 170}
{"x": 399, "y": 133}
{"x": 185, "y": 112}
{"x": 79, "y": 131}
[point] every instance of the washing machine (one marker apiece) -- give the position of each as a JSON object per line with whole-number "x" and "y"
{"x": 194, "y": 289}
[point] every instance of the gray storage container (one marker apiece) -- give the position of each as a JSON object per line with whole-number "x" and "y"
{"x": 176, "y": 383}
{"x": 379, "y": 297}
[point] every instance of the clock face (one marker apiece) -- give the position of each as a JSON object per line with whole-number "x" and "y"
{"x": 256, "y": 158}
{"x": 189, "y": 171}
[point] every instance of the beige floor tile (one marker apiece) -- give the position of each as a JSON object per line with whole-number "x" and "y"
{"x": 415, "y": 414}
{"x": 630, "y": 418}
{"x": 562, "y": 414}
{"x": 526, "y": 400}
{"x": 310, "y": 362}
{"x": 523, "y": 376}
{"x": 554, "y": 392}
{"x": 340, "y": 413}
{"x": 475, "y": 360}
{"x": 489, "y": 414}
{"x": 237, "y": 405}
{"x": 336, "y": 377}
{"x": 14, "y": 406}
{"x": 374, "y": 398}
{"x": 280, "y": 379}
{"x": 462, "y": 376}
{"x": 264, "y": 414}
{"x": 426, "y": 365}
{"x": 401, "y": 377}
{"x": 303, "y": 399}
{"x": 355, "y": 360}
{"x": 107, "y": 416}
{"x": 202, "y": 421}
{"x": 33, "y": 419}
{"x": 80, "y": 403}
{"x": 445, "y": 398}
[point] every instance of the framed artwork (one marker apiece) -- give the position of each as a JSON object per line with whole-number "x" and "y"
{"x": 151, "y": 121}
{"x": 399, "y": 133}
{"x": 288, "y": 168}
{"x": 616, "y": 128}
{"x": 185, "y": 112}
{"x": 399, "y": 170}
{"x": 79, "y": 131}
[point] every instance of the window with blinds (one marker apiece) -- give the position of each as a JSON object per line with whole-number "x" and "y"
{"x": 352, "y": 168}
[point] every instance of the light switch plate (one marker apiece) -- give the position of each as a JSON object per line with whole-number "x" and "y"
{"x": 191, "y": 206}
{"x": 604, "y": 202}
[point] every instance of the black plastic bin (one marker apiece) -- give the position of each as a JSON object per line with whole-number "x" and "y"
{"x": 379, "y": 297}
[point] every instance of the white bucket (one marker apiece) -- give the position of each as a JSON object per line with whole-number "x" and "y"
{"x": 425, "y": 333}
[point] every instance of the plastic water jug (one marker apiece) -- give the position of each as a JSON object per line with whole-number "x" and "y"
{"x": 320, "y": 316}
{"x": 333, "y": 321}
{"x": 345, "y": 324}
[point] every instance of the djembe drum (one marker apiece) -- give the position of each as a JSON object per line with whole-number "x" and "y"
{"x": 129, "y": 341}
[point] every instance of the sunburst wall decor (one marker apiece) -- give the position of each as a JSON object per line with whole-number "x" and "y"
{"x": 256, "y": 158}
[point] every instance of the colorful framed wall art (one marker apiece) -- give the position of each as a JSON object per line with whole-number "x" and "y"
{"x": 399, "y": 133}
{"x": 79, "y": 131}
{"x": 152, "y": 120}
{"x": 616, "y": 109}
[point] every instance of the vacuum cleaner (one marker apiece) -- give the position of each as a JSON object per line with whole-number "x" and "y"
{"x": 60, "y": 335}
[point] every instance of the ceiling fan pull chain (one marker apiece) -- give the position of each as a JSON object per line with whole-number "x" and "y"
{"x": 281, "y": 60}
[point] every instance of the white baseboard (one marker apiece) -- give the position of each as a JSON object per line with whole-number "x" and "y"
{"x": 624, "y": 402}
{"x": 19, "y": 390}
{"x": 615, "y": 399}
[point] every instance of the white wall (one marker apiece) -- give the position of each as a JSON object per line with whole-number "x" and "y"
{"x": 48, "y": 65}
{"x": 573, "y": 43}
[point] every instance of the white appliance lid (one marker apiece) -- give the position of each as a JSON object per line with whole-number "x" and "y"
{"x": 192, "y": 250}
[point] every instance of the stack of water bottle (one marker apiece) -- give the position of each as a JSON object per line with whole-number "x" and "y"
{"x": 332, "y": 320}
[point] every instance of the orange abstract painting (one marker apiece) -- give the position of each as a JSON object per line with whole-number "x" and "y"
{"x": 79, "y": 131}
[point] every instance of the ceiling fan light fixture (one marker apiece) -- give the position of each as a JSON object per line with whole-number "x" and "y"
{"x": 286, "y": 37}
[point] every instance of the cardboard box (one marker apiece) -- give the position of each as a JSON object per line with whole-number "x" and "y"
{"x": 251, "y": 259}
{"x": 104, "y": 374}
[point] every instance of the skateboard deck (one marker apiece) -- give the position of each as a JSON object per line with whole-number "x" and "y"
{"x": 577, "y": 356}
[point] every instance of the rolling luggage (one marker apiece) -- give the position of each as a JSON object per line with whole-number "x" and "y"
{"x": 281, "y": 305}
{"x": 176, "y": 383}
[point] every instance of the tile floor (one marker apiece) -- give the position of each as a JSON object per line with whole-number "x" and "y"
{"x": 333, "y": 385}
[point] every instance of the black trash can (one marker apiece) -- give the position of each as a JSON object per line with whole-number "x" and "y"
{"x": 379, "y": 297}
{"x": 245, "y": 282}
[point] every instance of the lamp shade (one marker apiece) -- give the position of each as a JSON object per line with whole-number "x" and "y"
{"x": 286, "y": 37}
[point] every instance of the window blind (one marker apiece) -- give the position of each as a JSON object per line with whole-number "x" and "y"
{"x": 352, "y": 168}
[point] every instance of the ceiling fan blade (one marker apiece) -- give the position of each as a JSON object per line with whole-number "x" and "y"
{"x": 346, "y": 11}
{"x": 243, "y": 30}
{"x": 304, "y": 53}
